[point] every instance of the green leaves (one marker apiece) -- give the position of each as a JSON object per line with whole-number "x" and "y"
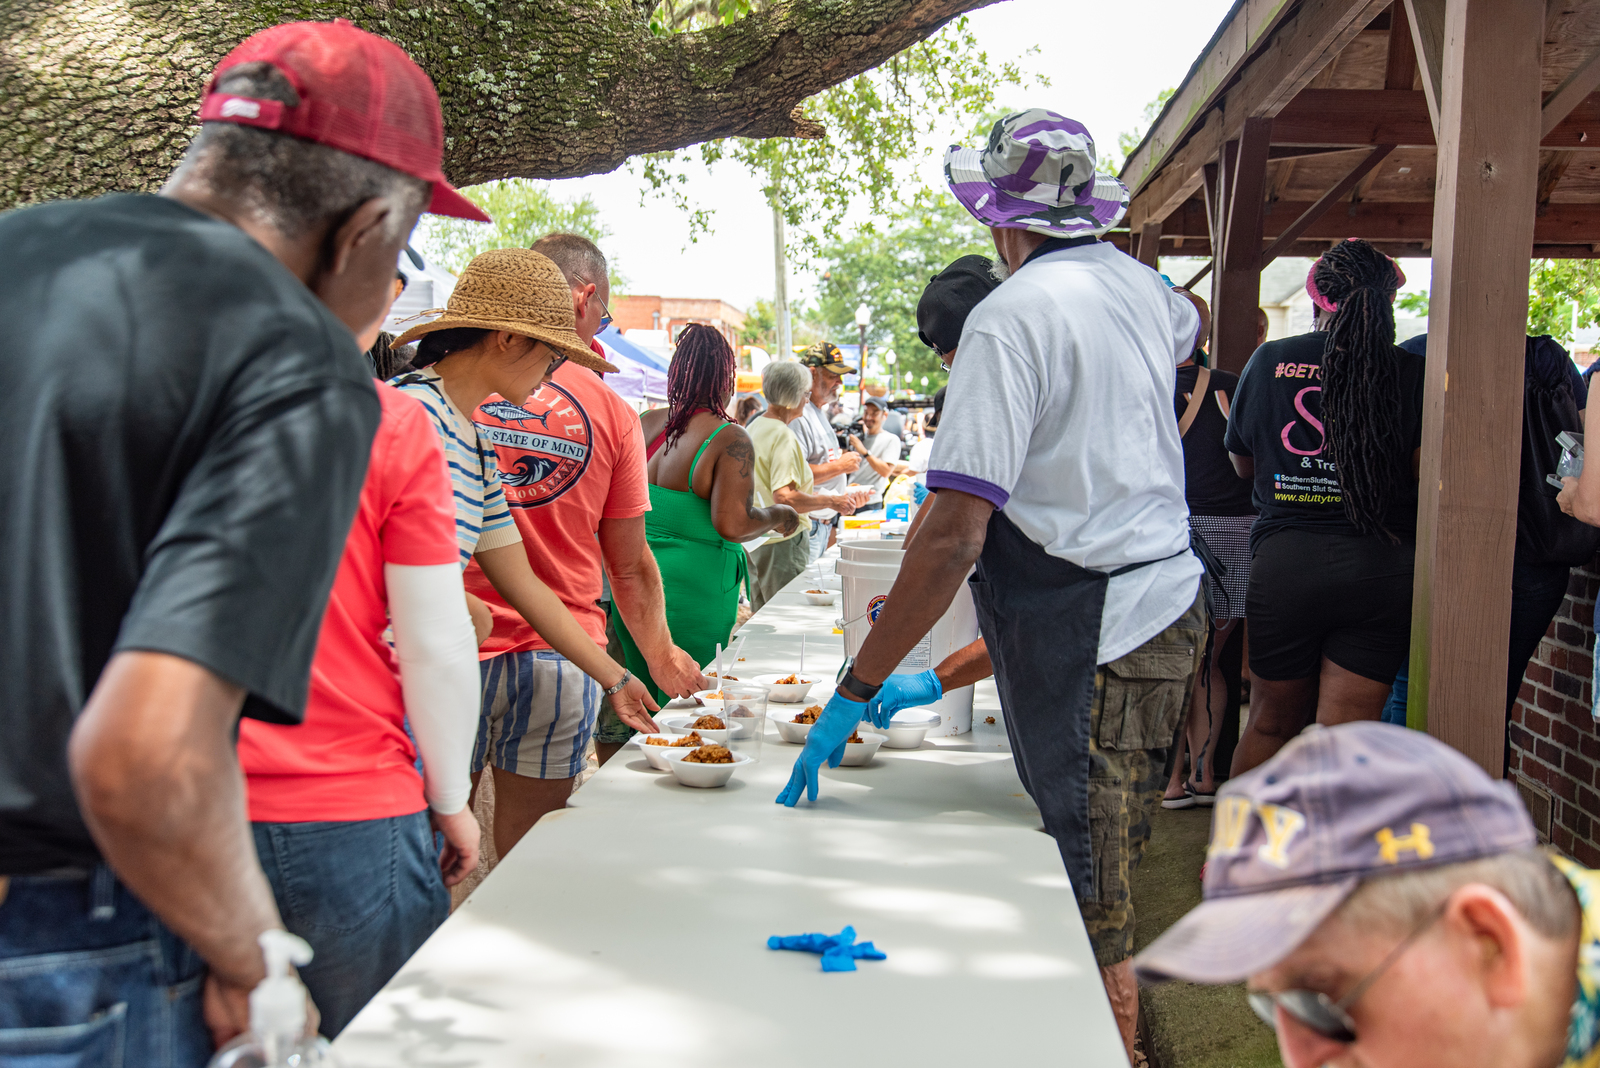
{"x": 887, "y": 271}
{"x": 523, "y": 211}
{"x": 1558, "y": 287}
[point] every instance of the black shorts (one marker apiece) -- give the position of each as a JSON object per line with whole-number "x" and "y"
{"x": 1340, "y": 596}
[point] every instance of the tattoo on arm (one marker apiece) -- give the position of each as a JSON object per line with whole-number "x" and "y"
{"x": 744, "y": 452}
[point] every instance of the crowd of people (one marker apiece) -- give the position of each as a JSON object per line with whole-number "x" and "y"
{"x": 271, "y": 621}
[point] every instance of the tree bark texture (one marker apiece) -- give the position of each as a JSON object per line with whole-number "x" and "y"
{"x": 101, "y": 95}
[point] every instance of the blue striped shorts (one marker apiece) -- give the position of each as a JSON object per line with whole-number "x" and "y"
{"x": 537, "y": 716}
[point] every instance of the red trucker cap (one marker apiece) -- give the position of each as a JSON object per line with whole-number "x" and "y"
{"x": 358, "y": 92}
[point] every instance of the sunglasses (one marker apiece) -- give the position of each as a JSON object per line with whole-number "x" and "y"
{"x": 944, "y": 357}
{"x": 555, "y": 365}
{"x": 1321, "y": 1014}
{"x": 605, "y": 312}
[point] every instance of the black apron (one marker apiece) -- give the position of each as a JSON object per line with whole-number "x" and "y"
{"x": 1040, "y": 618}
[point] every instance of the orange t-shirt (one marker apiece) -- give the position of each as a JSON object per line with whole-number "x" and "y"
{"x": 569, "y": 457}
{"x": 351, "y": 759}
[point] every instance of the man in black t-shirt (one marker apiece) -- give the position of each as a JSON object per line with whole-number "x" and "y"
{"x": 187, "y": 420}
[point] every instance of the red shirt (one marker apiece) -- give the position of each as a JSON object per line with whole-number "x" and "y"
{"x": 570, "y": 457}
{"x": 351, "y": 759}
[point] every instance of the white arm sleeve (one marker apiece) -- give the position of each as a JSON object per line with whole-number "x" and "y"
{"x": 438, "y": 653}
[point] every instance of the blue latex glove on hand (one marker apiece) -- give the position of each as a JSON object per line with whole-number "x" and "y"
{"x": 903, "y": 691}
{"x": 825, "y": 741}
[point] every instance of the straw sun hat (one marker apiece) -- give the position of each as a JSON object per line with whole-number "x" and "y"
{"x": 521, "y": 292}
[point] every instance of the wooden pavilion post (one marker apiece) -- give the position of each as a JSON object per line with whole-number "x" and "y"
{"x": 1236, "y": 291}
{"x": 1483, "y": 226}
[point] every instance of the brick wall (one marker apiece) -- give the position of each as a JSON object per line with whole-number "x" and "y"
{"x": 1555, "y": 748}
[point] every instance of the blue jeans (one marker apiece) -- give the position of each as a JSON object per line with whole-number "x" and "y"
{"x": 365, "y": 893}
{"x": 89, "y": 978}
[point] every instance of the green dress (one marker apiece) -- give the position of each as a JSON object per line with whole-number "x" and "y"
{"x": 701, "y": 574}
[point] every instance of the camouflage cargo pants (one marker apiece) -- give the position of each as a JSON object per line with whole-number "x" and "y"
{"x": 1139, "y": 701}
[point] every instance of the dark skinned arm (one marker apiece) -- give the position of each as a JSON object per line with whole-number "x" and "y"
{"x": 936, "y": 563}
{"x": 733, "y": 493}
{"x": 1243, "y": 466}
{"x": 157, "y": 779}
{"x": 964, "y": 667}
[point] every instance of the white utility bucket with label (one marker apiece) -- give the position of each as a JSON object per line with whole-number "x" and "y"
{"x": 866, "y": 582}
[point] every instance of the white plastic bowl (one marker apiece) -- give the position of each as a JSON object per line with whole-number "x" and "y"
{"x": 858, "y": 753}
{"x": 706, "y": 776}
{"x": 819, "y": 598}
{"x": 909, "y": 727}
{"x": 657, "y": 756}
{"x": 679, "y": 722}
{"x": 790, "y": 731}
{"x": 787, "y": 694}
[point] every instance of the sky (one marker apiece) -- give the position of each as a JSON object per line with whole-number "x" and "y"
{"x": 1102, "y": 79}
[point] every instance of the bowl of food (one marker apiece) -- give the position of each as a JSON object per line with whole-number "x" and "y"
{"x": 860, "y": 748}
{"x": 819, "y": 597}
{"x": 788, "y": 689}
{"x": 659, "y": 749}
{"x": 909, "y": 727}
{"x": 793, "y": 729}
{"x": 709, "y": 724}
{"x": 708, "y": 766}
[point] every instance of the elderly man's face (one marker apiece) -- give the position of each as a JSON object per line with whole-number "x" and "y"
{"x": 1463, "y": 995}
{"x": 824, "y": 385}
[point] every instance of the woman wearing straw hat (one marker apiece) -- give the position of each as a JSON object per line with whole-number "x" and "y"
{"x": 508, "y": 326}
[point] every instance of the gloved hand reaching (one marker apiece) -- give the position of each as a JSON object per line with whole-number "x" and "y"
{"x": 825, "y": 741}
{"x": 903, "y": 691}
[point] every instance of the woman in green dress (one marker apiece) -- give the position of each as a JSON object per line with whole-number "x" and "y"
{"x": 702, "y": 501}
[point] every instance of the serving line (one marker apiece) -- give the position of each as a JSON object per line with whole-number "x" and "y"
{"x": 630, "y": 928}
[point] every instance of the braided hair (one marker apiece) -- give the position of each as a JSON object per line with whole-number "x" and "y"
{"x": 1361, "y": 405}
{"x": 700, "y": 378}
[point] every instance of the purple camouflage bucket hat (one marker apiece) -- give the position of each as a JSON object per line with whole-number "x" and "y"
{"x": 1037, "y": 173}
{"x": 1293, "y": 838}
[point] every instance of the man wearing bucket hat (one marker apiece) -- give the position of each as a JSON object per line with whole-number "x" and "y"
{"x": 192, "y": 419}
{"x": 831, "y": 467}
{"x": 1389, "y": 906}
{"x": 1059, "y": 474}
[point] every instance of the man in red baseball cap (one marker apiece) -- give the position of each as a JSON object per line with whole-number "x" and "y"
{"x": 188, "y": 418}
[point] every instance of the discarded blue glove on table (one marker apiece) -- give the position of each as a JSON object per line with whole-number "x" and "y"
{"x": 839, "y": 952}
{"x": 903, "y": 691}
{"x": 825, "y": 741}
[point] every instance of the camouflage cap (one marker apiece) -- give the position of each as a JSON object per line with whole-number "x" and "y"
{"x": 826, "y": 355}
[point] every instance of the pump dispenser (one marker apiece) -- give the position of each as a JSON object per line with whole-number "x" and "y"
{"x": 277, "y": 1036}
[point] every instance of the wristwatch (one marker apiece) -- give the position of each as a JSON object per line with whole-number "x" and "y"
{"x": 627, "y": 677}
{"x": 864, "y": 690}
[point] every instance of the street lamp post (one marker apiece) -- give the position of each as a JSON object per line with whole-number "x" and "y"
{"x": 888, "y": 358}
{"x": 863, "y": 320}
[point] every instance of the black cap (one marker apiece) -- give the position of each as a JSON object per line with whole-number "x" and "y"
{"x": 879, "y": 402}
{"x": 950, "y": 298}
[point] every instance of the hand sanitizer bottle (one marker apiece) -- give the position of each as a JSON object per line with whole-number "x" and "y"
{"x": 277, "y": 1036}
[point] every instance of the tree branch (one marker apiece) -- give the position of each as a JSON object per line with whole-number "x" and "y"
{"x": 102, "y": 96}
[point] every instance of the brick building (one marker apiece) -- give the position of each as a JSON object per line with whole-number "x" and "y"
{"x": 1555, "y": 749}
{"x": 672, "y": 314}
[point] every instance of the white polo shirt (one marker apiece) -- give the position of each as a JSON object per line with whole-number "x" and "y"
{"x": 1059, "y": 412}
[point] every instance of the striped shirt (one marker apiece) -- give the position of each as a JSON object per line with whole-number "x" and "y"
{"x": 483, "y": 521}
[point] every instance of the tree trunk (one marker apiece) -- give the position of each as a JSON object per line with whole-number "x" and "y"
{"x": 99, "y": 95}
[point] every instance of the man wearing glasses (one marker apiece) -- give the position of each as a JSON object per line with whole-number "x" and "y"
{"x": 571, "y": 459}
{"x": 1389, "y": 905}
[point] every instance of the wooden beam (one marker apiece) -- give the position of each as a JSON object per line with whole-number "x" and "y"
{"x": 1150, "y": 245}
{"x": 1296, "y": 51}
{"x": 1201, "y": 273}
{"x": 1427, "y": 39}
{"x": 1400, "y": 69}
{"x": 1377, "y": 220}
{"x": 1559, "y": 104}
{"x": 1293, "y": 231}
{"x": 1467, "y": 517}
{"x": 1236, "y": 292}
{"x": 1552, "y": 167}
{"x": 1355, "y": 117}
{"x": 1213, "y": 204}
{"x": 1248, "y": 25}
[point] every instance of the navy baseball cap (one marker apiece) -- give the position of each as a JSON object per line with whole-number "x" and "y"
{"x": 1292, "y": 839}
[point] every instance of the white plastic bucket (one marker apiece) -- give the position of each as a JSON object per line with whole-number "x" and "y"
{"x": 866, "y": 586}
{"x": 873, "y": 552}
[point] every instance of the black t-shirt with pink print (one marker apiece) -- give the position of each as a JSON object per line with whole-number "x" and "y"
{"x": 1277, "y": 420}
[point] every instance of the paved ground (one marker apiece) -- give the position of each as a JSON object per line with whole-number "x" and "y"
{"x": 1190, "y": 1026}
